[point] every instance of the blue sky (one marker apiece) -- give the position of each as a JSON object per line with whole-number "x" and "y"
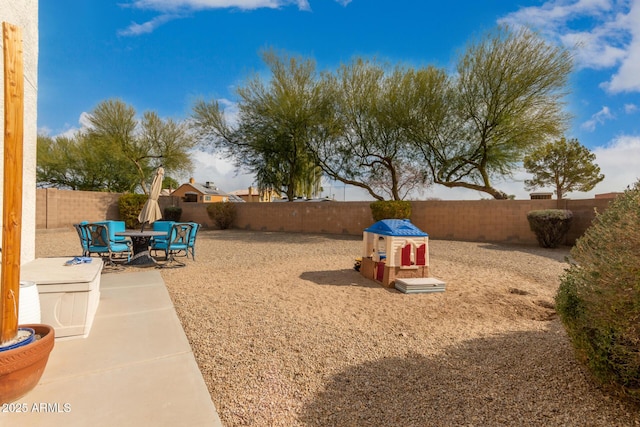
{"x": 162, "y": 55}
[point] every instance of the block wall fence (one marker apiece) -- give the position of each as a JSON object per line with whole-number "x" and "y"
{"x": 474, "y": 220}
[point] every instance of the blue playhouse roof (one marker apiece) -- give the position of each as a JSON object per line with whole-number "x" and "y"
{"x": 395, "y": 227}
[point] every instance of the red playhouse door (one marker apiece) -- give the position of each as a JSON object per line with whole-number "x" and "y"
{"x": 380, "y": 271}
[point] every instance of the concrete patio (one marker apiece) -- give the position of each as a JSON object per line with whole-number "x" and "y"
{"x": 135, "y": 368}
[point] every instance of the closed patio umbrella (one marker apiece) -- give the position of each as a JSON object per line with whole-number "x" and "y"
{"x": 151, "y": 210}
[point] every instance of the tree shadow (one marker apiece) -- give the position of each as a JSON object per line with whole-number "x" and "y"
{"x": 522, "y": 378}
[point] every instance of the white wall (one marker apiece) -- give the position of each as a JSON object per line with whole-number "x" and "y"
{"x": 24, "y": 13}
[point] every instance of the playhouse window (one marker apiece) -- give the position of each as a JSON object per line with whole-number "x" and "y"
{"x": 381, "y": 249}
{"x": 412, "y": 255}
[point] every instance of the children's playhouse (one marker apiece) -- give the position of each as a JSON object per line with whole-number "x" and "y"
{"x": 394, "y": 249}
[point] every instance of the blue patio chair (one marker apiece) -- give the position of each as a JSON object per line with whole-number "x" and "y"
{"x": 160, "y": 242}
{"x": 84, "y": 240}
{"x": 102, "y": 245}
{"x": 177, "y": 244}
{"x": 115, "y": 227}
{"x": 191, "y": 247}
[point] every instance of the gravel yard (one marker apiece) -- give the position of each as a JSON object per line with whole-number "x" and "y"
{"x": 287, "y": 333}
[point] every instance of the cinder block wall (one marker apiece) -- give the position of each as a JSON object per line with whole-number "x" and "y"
{"x": 62, "y": 208}
{"x": 308, "y": 217}
{"x": 478, "y": 220}
{"x": 584, "y": 211}
{"x": 475, "y": 220}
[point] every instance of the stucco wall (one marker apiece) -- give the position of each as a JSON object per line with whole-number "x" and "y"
{"x": 24, "y": 13}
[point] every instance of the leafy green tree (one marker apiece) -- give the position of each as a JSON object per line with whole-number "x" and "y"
{"x": 505, "y": 99}
{"x": 82, "y": 163}
{"x": 393, "y": 131}
{"x": 169, "y": 182}
{"x": 276, "y": 120}
{"x": 365, "y": 142}
{"x": 565, "y": 165}
{"x": 145, "y": 144}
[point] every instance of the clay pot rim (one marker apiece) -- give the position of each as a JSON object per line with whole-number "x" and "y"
{"x": 17, "y": 358}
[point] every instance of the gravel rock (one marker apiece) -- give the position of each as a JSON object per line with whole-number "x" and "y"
{"x": 287, "y": 333}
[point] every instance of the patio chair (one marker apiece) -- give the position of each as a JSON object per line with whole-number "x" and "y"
{"x": 84, "y": 240}
{"x": 177, "y": 244}
{"x": 191, "y": 247}
{"x": 160, "y": 242}
{"x": 115, "y": 227}
{"x": 101, "y": 244}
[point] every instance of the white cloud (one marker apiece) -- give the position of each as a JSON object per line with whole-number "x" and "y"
{"x": 598, "y": 119}
{"x": 611, "y": 37}
{"x": 630, "y": 108}
{"x": 555, "y": 13}
{"x": 68, "y": 131}
{"x": 147, "y": 27}
{"x": 85, "y": 120}
{"x": 174, "y": 5}
{"x": 618, "y": 162}
{"x": 590, "y": 51}
{"x": 45, "y": 131}
{"x": 231, "y": 111}
{"x": 174, "y": 9}
{"x": 220, "y": 171}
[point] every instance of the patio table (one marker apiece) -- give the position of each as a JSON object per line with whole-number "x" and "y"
{"x": 141, "y": 241}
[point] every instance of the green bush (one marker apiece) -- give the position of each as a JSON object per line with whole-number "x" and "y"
{"x": 599, "y": 296}
{"x": 172, "y": 213}
{"x": 222, "y": 214}
{"x": 390, "y": 209}
{"x": 130, "y": 206}
{"x": 550, "y": 226}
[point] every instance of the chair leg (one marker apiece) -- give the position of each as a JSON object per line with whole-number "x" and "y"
{"x": 171, "y": 262}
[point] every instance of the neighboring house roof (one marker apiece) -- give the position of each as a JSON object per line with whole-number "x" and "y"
{"x": 245, "y": 192}
{"x": 256, "y": 194}
{"x": 207, "y": 189}
{"x": 235, "y": 198}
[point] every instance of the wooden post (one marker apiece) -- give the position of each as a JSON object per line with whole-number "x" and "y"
{"x": 12, "y": 196}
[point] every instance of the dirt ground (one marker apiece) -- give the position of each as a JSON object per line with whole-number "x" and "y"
{"x": 287, "y": 333}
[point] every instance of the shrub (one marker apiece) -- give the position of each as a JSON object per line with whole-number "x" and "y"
{"x": 550, "y": 226}
{"x": 130, "y": 206}
{"x": 390, "y": 209}
{"x": 222, "y": 214}
{"x": 599, "y": 296}
{"x": 172, "y": 213}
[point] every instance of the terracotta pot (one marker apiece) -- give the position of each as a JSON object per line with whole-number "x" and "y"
{"x": 22, "y": 367}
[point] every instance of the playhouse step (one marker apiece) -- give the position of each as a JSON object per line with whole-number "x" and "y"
{"x": 419, "y": 285}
